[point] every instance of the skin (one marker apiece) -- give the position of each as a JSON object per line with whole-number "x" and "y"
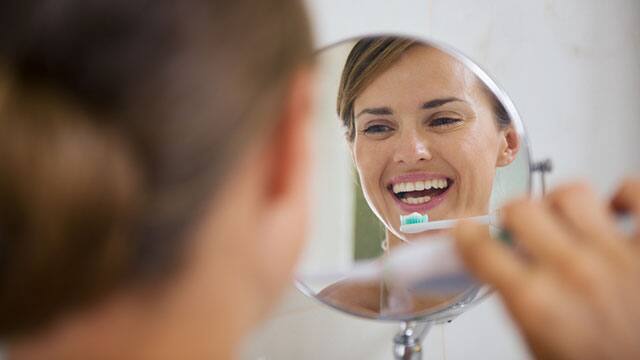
{"x": 233, "y": 274}
{"x": 458, "y": 139}
{"x": 575, "y": 295}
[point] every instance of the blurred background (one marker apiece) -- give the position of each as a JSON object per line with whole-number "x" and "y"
{"x": 571, "y": 67}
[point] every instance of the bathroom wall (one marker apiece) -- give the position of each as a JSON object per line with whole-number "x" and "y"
{"x": 571, "y": 67}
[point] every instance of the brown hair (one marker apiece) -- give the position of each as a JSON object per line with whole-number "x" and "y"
{"x": 369, "y": 58}
{"x": 117, "y": 120}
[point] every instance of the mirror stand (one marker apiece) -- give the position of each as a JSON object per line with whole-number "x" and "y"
{"x": 407, "y": 344}
{"x": 543, "y": 167}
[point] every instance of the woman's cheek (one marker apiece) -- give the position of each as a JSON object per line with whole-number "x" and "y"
{"x": 480, "y": 160}
{"x": 368, "y": 160}
{"x": 473, "y": 150}
{"x": 370, "y": 169}
{"x": 469, "y": 160}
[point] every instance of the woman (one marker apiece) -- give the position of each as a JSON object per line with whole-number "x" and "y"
{"x": 426, "y": 136}
{"x": 153, "y": 177}
{"x": 153, "y": 181}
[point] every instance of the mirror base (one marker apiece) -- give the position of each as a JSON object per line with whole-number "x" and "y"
{"x": 407, "y": 344}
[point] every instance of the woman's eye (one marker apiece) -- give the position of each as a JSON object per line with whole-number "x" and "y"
{"x": 444, "y": 121}
{"x": 377, "y": 129}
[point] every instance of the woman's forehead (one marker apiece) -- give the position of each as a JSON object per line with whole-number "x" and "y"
{"x": 421, "y": 74}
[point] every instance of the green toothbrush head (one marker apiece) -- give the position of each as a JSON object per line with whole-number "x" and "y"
{"x": 413, "y": 218}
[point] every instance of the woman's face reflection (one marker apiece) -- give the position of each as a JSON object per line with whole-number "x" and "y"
{"x": 427, "y": 140}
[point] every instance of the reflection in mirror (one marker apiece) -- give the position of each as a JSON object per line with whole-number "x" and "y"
{"x": 420, "y": 134}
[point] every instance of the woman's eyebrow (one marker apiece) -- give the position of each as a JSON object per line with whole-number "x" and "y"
{"x": 376, "y": 111}
{"x": 439, "y": 102}
{"x": 384, "y": 110}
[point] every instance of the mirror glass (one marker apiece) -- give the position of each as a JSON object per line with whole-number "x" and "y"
{"x": 408, "y": 135}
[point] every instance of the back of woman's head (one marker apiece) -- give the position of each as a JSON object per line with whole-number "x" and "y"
{"x": 117, "y": 119}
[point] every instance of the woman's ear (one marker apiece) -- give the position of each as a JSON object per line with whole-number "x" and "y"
{"x": 509, "y": 147}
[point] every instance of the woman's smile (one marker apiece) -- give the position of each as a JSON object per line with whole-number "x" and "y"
{"x": 419, "y": 192}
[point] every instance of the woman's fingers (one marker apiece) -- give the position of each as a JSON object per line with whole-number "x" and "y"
{"x": 534, "y": 227}
{"x": 546, "y": 237}
{"x": 588, "y": 219}
{"x": 569, "y": 285}
{"x": 532, "y": 297}
{"x": 489, "y": 259}
{"x": 627, "y": 199}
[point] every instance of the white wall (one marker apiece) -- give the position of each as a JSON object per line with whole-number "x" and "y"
{"x": 571, "y": 67}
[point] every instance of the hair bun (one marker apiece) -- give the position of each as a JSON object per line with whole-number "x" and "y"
{"x": 68, "y": 190}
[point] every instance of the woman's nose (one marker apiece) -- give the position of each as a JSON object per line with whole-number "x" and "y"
{"x": 412, "y": 149}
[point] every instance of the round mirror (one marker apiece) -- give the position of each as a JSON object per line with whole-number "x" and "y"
{"x": 409, "y": 137}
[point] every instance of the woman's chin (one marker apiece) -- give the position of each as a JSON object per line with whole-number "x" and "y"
{"x": 427, "y": 235}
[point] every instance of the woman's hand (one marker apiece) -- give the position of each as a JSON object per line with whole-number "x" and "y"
{"x": 576, "y": 292}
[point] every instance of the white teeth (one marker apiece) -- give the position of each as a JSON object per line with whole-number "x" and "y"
{"x": 420, "y": 185}
{"x": 428, "y": 184}
{"x": 416, "y": 201}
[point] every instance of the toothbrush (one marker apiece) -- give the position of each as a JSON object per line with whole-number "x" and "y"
{"x": 416, "y": 223}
